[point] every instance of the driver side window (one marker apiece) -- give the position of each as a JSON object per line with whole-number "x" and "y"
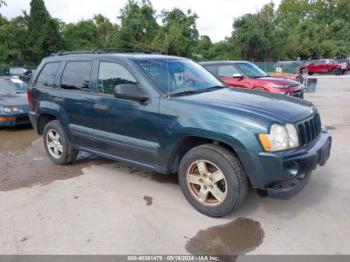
{"x": 111, "y": 74}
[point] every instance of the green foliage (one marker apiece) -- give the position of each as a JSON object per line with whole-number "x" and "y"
{"x": 138, "y": 25}
{"x": 296, "y": 28}
{"x": 181, "y": 32}
{"x": 81, "y": 36}
{"x": 43, "y": 33}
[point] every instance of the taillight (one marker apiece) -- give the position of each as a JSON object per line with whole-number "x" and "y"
{"x": 30, "y": 96}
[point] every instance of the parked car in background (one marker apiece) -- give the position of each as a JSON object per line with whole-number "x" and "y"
{"x": 247, "y": 75}
{"x": 14, "y": 106}
{"x": 27, "y": 76}
{"x": 322, "y": 66}
{"x": 14, "y": 71}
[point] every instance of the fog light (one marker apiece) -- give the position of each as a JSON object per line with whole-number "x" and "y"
{"x": 293, "y": 169}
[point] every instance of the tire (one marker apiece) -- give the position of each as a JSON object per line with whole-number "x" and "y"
{"x": 310, "y": 73}
{"x": 338, "y": 72}
{"x": 55, "y": 137}
{"x": 233, "y": 185}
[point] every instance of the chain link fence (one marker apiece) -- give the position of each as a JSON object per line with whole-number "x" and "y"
{"x": 290, "y": 67}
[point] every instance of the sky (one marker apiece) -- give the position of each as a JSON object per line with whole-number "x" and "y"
{"x": 215, "y": 16}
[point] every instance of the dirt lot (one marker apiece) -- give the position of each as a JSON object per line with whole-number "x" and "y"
{"x": 101, "y": 207}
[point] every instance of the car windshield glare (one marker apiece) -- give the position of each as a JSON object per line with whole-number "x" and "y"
{"x": 175, "y": 76}
{"x": 251, "y": 70}
{"x": 12, "y": 87}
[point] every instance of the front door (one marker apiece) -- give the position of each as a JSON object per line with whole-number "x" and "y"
{"x": 226, "y": 73}
{"x": 124, "y": 128}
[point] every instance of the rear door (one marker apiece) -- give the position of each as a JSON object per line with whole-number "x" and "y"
{"x": 77, "y": 97}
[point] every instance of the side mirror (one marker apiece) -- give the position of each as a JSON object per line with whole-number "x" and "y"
{"x": 237, "y": 75}
{"x": 130, "y": 92}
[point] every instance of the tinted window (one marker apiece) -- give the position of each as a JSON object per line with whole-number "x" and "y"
{"x": 211, "y": 69}
{"x": 76, "y": 76}
{"x": 48, "y": 75}
{"x": 227, "y": 70}
{"x": 112, "y": 74}
{"x": 251, "y": 70}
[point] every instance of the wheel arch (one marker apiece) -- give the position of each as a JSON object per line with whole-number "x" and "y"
{"x": 187, "y": 143}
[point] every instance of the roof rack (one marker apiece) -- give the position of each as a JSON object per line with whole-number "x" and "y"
{"x": 103, "y": 51}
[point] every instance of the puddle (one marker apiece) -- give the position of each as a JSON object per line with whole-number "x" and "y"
{"x": 32, "y": 167}
{"x": 15, "y": 140}
{"x": 235, "y": 238}
{"x": 149, "y": 200}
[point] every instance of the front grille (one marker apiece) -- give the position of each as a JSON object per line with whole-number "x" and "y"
{"x": 22, "y": 120}
{"x": 309, "y": 130}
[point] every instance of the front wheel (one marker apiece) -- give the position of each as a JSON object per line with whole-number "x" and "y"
{"x": 213, "y": 180}
{"x": 57, "y": 145}
{"x": 338, "y": 71}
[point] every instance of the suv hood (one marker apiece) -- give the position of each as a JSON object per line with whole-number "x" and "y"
{"x": 279, "y": 81}
{"x": 14, "y": 100}
{"x": 265, "y": 105}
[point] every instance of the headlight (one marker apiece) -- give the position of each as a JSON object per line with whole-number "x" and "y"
{"x": 271, "y": 85}
{"x": 7, "y": 109}
{"x": 15, "y": 109}
{"x": 280, "y": 138}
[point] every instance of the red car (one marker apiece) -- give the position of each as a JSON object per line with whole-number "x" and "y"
{"x": 247, "y": 75}
{"x": 324, "y": 66}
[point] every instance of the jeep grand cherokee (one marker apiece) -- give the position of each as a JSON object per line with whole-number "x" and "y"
{"x": 169, "y": 115}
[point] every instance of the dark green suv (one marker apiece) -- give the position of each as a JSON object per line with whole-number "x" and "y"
{"x": 169, "y": 115}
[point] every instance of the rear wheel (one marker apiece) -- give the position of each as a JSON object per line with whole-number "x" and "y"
{"x": 57, "y": 145}
{"x": 212, "y": 180}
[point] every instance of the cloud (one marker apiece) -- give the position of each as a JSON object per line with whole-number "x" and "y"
{"x": 215, "y": 16}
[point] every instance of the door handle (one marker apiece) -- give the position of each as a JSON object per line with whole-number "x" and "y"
{"x": 101, "y": 107}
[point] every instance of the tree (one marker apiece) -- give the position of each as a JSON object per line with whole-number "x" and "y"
{"x": 43, "y": 31}
{"x": 81, "y": 36}
{"x": 202, "y": 48}
{"x": 105, "y": 29}
{"x": 181, "y": 32}
{"x": 138, "y": 25}
{"x": 13, "y": 41}
{"x": 2, "y": 2}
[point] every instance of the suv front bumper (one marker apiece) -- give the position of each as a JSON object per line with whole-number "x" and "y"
{"x": 287, "y": 173}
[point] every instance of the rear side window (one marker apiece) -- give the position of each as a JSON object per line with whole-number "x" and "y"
{"x": 48, "y": 75}
{"x": 76, "y": 75}
{"x": 227, "y": 70}
{"x": 111, "y": 74}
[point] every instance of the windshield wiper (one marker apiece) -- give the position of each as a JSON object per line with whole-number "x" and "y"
{"x": 213, "y": 88}
{"x": 184, "y": 93}
{"x": 191, "y": 92}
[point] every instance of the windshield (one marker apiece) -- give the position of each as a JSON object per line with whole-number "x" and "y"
{"x": 251, "y": 70}
{"x": 11, "y": 87}
{"x": 178, "y": 76}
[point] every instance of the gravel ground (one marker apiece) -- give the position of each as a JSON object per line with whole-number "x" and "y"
{"x": 97, "y": 206}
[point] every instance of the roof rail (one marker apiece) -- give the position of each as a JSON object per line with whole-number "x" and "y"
{"x": 103, "y": 51}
